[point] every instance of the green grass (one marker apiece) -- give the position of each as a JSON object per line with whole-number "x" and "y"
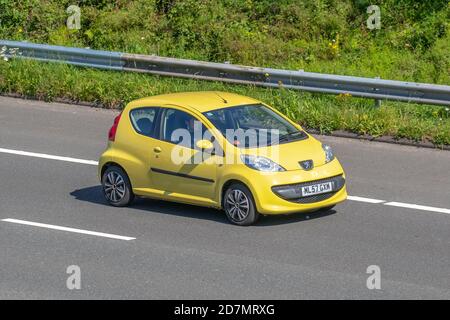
{"x": 328, "y": 36}
{"x": 47, "y": 81}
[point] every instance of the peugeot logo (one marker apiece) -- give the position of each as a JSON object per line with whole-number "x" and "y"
{"x": 307, "y": 164}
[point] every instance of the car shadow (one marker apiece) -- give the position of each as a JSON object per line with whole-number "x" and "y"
{"x": 94, "y": 195}
{"x": 279, "y": 219}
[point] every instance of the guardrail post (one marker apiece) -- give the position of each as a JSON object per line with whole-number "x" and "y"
{"x": 377, "y": 101}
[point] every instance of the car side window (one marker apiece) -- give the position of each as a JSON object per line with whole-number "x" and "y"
{"x": 181, "y": 128}
{"x": 143, "y": 120}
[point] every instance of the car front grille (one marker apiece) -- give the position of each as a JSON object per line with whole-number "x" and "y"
{"x": 292, "y": 192}
{"x": 315, "y": 198}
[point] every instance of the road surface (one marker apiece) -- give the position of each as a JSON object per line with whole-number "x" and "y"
{"x": 397, "y": 218}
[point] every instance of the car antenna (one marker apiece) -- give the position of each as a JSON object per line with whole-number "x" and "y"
{"x": 224, "y": 101}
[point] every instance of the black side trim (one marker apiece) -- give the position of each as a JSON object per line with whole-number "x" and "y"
{"x": 183, "y": 175}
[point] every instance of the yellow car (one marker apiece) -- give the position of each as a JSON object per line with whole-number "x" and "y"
{"x": 218, "y": 150}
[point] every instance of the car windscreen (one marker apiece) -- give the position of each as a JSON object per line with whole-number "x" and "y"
{"x": 255, "y": 125}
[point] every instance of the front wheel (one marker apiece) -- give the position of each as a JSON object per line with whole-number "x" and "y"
{"x": 239, "y": 205}
{"x": 117, "y": 187}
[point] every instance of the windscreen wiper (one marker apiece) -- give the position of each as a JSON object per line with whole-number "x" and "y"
{"x": 285, "y": 137}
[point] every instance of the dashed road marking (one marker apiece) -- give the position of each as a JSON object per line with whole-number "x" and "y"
{"x": 362, "y": 199}
{"x": 51, "y": 226}
{"x": 48, "y": 156}
{"x": 417, "y": 207}
{"x": 351, "y": 198}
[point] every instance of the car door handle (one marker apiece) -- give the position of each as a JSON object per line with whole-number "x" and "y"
{"x": 157, "y": 149}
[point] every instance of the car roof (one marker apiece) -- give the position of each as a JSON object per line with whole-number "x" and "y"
{"x": 201, "y": 101}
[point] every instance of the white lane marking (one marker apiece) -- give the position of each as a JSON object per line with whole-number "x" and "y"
{"x": 362, "y": 199}
{"x": 48, "y": 156}
{"x": 417, "y": 207}
{"x": 351, "y": 198}
{"x": 50, "y": 226}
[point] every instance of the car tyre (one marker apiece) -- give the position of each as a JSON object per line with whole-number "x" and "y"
{"x": 116, "y": 187}
{"x": 239, "y": 205}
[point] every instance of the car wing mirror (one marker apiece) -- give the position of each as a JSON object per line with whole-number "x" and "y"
{"x": 205, "y": 145}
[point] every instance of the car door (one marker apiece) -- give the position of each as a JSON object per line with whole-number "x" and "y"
{"x": 138, "y": 143}
{"x": 178, "y": 166}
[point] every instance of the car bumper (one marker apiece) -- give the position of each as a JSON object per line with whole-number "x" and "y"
{"x": 269, "y": 202}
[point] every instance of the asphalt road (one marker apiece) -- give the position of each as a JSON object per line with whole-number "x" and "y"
{"x": 188, "y": 252}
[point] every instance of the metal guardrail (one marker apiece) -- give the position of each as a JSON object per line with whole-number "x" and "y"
{"x": 299, "y": 80}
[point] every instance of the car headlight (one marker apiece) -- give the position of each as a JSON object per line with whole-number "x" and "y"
{"x": 261, "y": 163}
{"x": 329, "y": 155}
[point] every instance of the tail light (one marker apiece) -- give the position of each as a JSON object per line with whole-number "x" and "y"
{"x": 113, "y": 130}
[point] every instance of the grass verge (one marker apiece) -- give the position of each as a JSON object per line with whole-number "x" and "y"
{"x": 324, "y": 113}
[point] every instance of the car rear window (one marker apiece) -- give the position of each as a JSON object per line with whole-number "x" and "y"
{"x": 143, "y": 120}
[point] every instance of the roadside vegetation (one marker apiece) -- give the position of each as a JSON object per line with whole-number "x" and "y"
{"x": 328, "y": 36}
{"x": 325, "y": 113}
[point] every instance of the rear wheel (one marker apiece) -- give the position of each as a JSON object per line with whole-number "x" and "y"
{"x": 117, "y": 187}
{"x": 239, "y": 205}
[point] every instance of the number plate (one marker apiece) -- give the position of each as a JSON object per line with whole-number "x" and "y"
{"x": 317, "y": 189}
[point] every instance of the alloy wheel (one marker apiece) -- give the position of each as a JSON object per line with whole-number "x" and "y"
{"x": 237, "y": 205}
{"x": 114, "y": 186}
